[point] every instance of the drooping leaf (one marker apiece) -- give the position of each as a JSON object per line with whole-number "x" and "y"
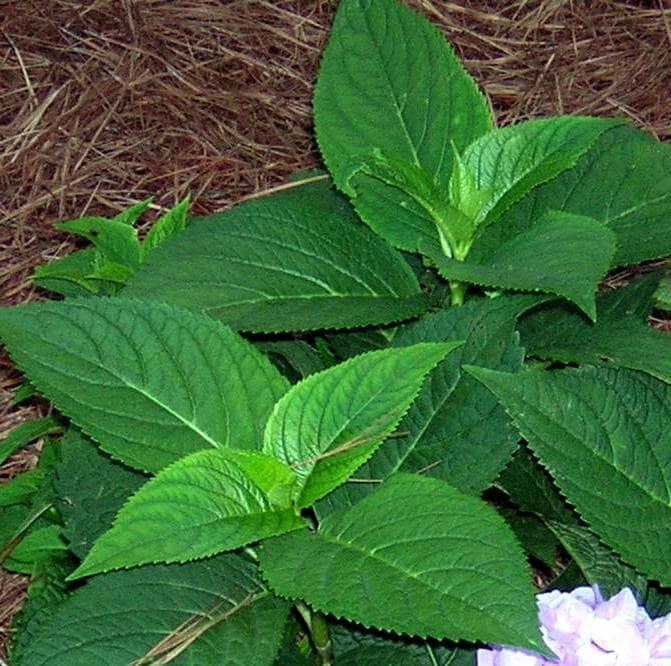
{"x": 150, "y": 382}
{"x": 511, "y": 161}
{"x": 402, "y": 556}
{"x": 91, "y": 488}
{"x": 620, "y": 335}
{"x": 203, "y": 504}
{"x": 212, "y": 612}
{"x": 604, "y": 435}
{"x": 388, "y": 80}
{"x": 562, "y": 254}
{"x": 624, "y": 181}
{"x": 26, "y": 433}
{"x": 115, "y": 240}
{"x": 326, "y": 426}
{"x": 298, "y": 260}
{"x": 455, "y": 429}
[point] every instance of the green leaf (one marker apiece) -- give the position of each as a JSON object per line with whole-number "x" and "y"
{"x": 211, "y": 612}
{"x": 37, "y": 547}
{"x": 203, "y": 504}
{"x": 150, "y": 382}
{"x": 455, "y": 429}
{"x": 22, "y": 488}
{"x": 296, "y": 358}
{"x": 604, "y": 435}
{"x": 663, "y": 294}
{"x": 408, "y": 552}
{"x": 598, "y": 563}
{"x": 624, "y": 181}
{"x": 26, "y": 433}
{"x": 354, "y": 647}
{"x": 561, "y": 254}
{"x": 169, "y": 224}
{"x": 532, "y": 489}
{"x": 329, "y": 424}
{"x": 388, "y": 80}
{"x": 537, "y": 540}
{"x": 511, "y": 161}
{"x": 91, "y": 488}
{"x": 298, "y": 260}
{"x": 616, "y": 338}
{"x": 69, "y": 275}
{"x": 115, "y": 240}
{"x": 133, "y": 213}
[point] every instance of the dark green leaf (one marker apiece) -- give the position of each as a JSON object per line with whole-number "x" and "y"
{"x": 605, "y": 436}
{"x": 298, "y": 260}
{"x": 211, "y": 612}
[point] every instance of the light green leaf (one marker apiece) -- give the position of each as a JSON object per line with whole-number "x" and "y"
{"x": 22, "y": 488}
{"x": 513, "y": 160}
{"x": 37, "y": 547}
{"x": 298, "y": 260}
{"x": 389, "y": 80}
{"x": 624, "y": 181}
{"x": 605, "y": 436}
{"x": 212, "y": 612}
{"x": 150, "y": 382}
{"x": 616, "y": 338}
{"x": 561, "y": 254}
{"x": 91, "y": 488}
{"x": 26, "y": 433}
{"x": 69, "y": 275}
{"x": 406, "y": 553}
{"x": 132, "y": 214}
{"x": 115, "y": 240}
{"x": 455, "y": 429}
{"x": 329, "y": 424}
{"x": 203, "y": 504}
{"x": 172, "y": 222}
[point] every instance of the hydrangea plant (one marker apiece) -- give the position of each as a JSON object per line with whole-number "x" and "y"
{"x": 336, "y": 425}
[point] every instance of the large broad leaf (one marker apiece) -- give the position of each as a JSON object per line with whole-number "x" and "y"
{"x": 205, "y": 503}
{"x": 511, "y": 161}
{"x": 329, "y": 424}
{"x": 455, "y": 429}
{"x": 298, "y": 260}
{"x": 620, "y": 336}
{"x": 91, "y": 488}
{"x": 416, "y": 557}
{"x": 561, "y": 254}
{"x": 605, "y": 436}
{"x": 624, "y": 181}
{"x": 388, "y": 80}
{"x": 148, "y": 381}
{"x": 211, "y": 612}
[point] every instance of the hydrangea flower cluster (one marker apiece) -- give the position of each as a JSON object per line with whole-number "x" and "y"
{"x": 584, "y": 630}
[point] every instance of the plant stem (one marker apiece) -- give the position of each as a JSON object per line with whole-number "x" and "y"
{"x": 319, "y": 632}
{"x": 457, "y": 292}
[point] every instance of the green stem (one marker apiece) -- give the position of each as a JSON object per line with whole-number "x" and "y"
{"x": 319, "y": 633}
{"x": 457, "y": 292}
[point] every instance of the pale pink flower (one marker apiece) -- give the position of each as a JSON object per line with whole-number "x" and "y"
{"x": 584, "y": 630}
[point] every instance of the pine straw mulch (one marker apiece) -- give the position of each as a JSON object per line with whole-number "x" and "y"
{"x": 108, "y": 102}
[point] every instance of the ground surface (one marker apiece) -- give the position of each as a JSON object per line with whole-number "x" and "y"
{"x": 107, "y": 102}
